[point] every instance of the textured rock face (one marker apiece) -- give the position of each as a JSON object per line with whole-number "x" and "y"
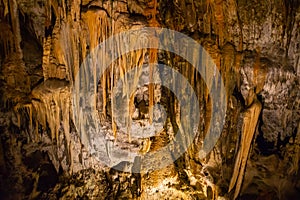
{"x": 255, "y": 45}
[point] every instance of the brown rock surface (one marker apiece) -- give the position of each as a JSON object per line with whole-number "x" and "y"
{"x": 44, "y": 155}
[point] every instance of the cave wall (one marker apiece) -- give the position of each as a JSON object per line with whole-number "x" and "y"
{"x": 255, "y": 45}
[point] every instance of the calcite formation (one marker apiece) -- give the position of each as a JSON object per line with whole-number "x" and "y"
{"x": 45, "y": 152}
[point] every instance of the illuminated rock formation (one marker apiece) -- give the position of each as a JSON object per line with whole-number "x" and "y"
{"x": 45, "y": 151}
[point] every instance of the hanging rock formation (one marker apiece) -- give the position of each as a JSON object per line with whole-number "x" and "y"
{"x": 44, "y": 151}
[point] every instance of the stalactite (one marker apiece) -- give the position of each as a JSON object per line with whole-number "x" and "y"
{"x": 10, "y": 30}
{"x": 229, "y": 69}
{"x": 146, "y": 146}
{"x": 208, "y": 73}
{"x": 19, "y": 119}
{"x": 123, "y": 64}
{"x": 29, "y": 111}
{"x": 48, "y": 13}
{"x": 295, "y": 160}
{"x": 193, "y": 80}
{"x": 97, "y": 24}
{"x": 152, "y": 55}
{"x": 46, "y": 57}
{"x": 104, "y": 95}
{"x": 36, "y": 130}
{"x": 127, "y": 86}
{"x": 14, "y": 12}
{"x": 65, "y": 107}
{"x": 249, "y": 126}
{"x": 152, "y": 60}
{"x": 237, "y": 64}
{"x": 259, "y": 74}
{"x": 238, "y": 55}
{"x": 66, "y": 49}
{"x": 6, "y": 11}
{"x": 136, "y": 60}
{"x": 100, "y": 27}
{"x": 217, "y": 6}
{"x": 5, "y": 34}
{"x": 50, "y": 106}
{"x": 289, "y": 14}
{"x": 114, "y": 125}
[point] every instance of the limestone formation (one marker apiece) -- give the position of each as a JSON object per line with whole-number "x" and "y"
{"x": 50, "y": 147}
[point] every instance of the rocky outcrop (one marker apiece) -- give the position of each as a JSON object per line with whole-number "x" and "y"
{"x": 45, "y": 153}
